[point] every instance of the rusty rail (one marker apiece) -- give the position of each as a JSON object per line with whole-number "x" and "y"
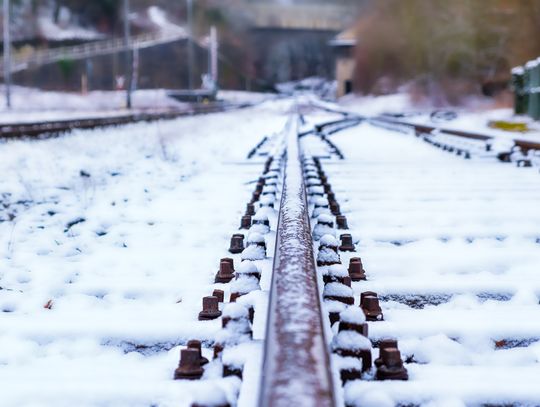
{"x": 427, "y": 129}
{"x": 296, "y": 357}
{"x": 55, "y": 127}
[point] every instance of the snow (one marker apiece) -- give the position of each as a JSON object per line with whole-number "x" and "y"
{"x": 245, "y": 284}
{"x": 328, "y": 241}
{"x": 158, "y": 16}
{"x": 51, "y": 31}
{"x": 452, "y": 250}
{"x": 346, "y": 363}
{"x": 337, "y": 290}
{"x": 350, "y": 340}
{"x": 110, "y": 238}
{"x": 334, "y": 306}
{"x": 353, "y": 315}
{"x": 518, "y": 70}
{"x": 335, "y": 270}
{"x": 322, "y": 230}
{"x": 30, "y": 105}
{"x": 247, "y": 267}
{"x": 235, "y": 311}
{"x": 126, "y": 284}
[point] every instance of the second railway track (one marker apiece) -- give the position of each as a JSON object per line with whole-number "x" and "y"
{"x": 52, "y": 128}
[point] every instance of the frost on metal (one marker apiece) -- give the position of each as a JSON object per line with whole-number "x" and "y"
{"x": 296, "y": 370}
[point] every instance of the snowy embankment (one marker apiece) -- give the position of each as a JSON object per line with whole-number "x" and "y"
{"x": 33, "y": 105}
{"x": 108, "y": 241}
{"x": 452, "y": 248}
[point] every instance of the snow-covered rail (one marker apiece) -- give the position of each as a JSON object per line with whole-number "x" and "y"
{"x": 522, "y": 152}
{"x": 296, "y": 362}
{"x": 33, "y": 129}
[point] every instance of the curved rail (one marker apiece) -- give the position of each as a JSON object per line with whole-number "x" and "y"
{"x": 427, "y": 129}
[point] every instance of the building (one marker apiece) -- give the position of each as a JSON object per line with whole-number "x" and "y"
{"x": 344, "y": 45}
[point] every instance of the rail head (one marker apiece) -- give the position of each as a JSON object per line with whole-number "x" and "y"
{"x": 296, "y": 369}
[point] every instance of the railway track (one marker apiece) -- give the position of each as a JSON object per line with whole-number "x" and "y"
{"x": 366, "y": 269}
{"x": 524, "y": 153}
{"x": 56, "y": 127}
{"x": 335, "y": 333}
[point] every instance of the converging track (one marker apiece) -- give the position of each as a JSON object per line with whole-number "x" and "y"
{"x": 442, "y": 295}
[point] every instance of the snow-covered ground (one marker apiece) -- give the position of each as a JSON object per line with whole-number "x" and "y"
{"x": 451, "y": 246}
{"x": 30, "y": 105}
{"x": 110, "y": 238}
{"x": 468, "y": 119}
{"x": 108, "y": 241}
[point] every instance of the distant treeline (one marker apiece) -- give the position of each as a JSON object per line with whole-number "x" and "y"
{"x": 445, "y": 48}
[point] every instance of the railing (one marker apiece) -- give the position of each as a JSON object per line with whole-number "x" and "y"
{"x": 47, "y": 56}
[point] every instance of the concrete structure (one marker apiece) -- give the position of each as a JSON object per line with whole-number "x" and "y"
{"x": 344, "y": 45}
{"x": 289, "y": 39}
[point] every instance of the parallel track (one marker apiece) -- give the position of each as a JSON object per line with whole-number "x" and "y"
{"x": 56, "y": 127}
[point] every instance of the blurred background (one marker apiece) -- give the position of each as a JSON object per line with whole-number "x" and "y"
{"x": 440, "y": 52}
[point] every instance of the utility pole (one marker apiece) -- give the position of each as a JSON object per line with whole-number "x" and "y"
{"x": 214, "y": 55}
{"x": 190, "y": 43}
{"x": 129, "y": 65}
{"x": 7, "y": 54}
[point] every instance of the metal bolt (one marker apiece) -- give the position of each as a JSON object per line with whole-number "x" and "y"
{"x": 195, "y": 344}
{"x": 372, "y": 309}
{"x": 219, "y": 294}
{"x": 210, "y": 309}
{"x": 383, "y": 344}
{"x": 334, "y": 208}
{"x": 226, "y": 271}
{"x": 341, "y": 222}
{"x": 218, "y": 348}
{"x": 346, "y": 243}
{"x": 250, "y": 209}
{"x": 255, "y": 197}
{"x": 237, "y": 243}
{"x": 189, "y": 367}
{"x": 245, "y": 223}
{"x": 327, "y": 188}
{"x": 356, "y": 270}
{"x": 366, "y": 294}
{"x": 392, "y": 366}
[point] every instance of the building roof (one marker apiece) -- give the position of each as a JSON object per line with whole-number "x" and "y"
{"x": 345, "y": 38}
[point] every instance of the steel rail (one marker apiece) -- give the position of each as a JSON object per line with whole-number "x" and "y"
{"x": 296, "y": 370}
{"x": 55, "y": 127}
{"x": 525, "y": 145}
